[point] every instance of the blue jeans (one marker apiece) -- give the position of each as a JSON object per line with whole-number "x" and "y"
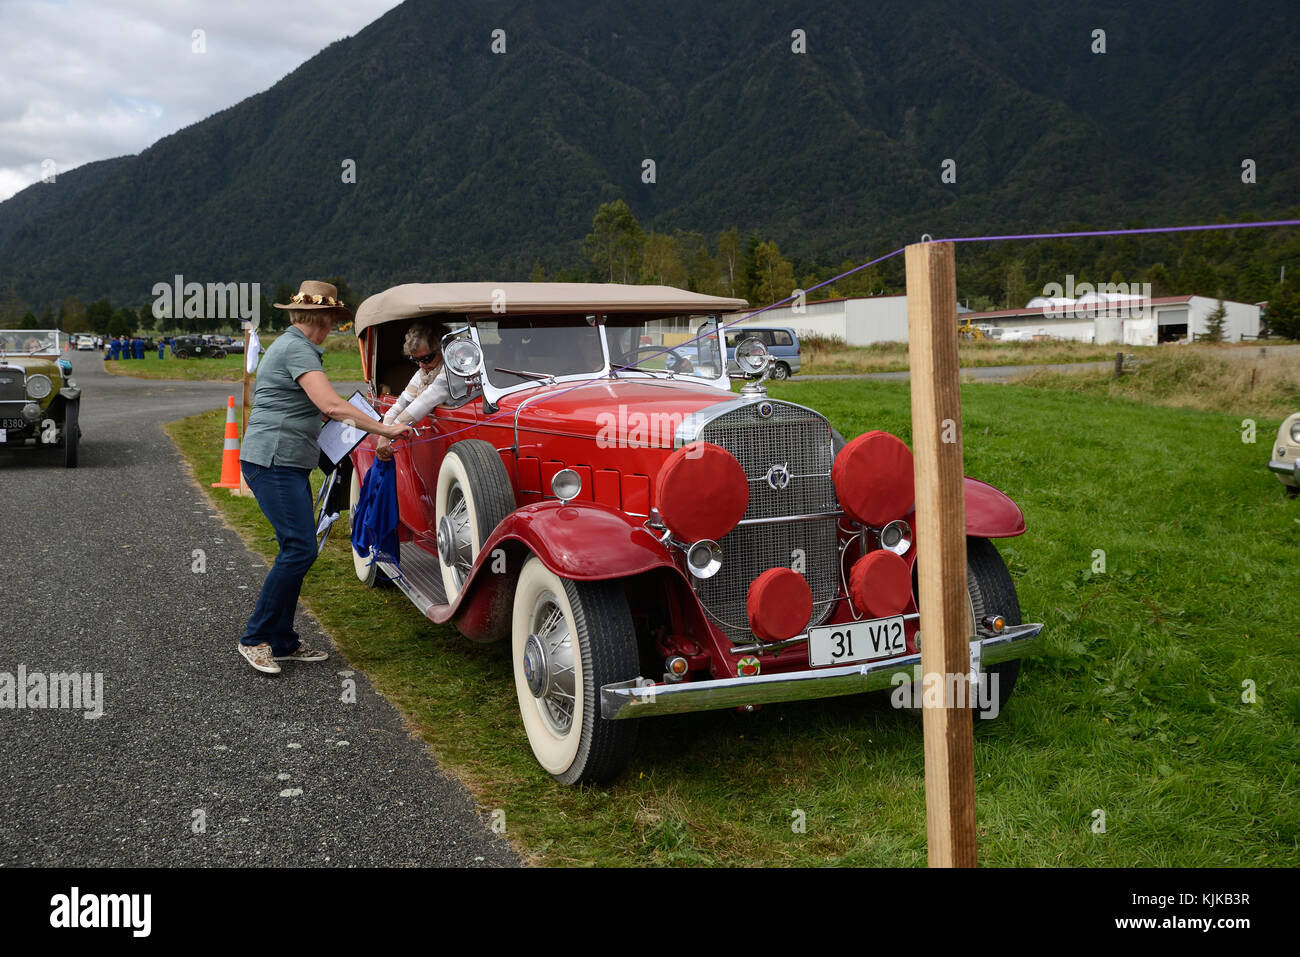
{"x": 284, "y": 494}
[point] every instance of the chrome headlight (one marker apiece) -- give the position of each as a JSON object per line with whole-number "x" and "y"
{"x": 896, "y": 537}
{"x": 566, "y": 484}
{"x": 1295, "y": 431}
{"x": 463, "y": 357}
{"x": 751, "y": 356}
{"x": 39, "y": 386}
{"x": 704, "y": 558}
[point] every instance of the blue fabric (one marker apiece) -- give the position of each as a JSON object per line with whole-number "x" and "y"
{"x": 374, "y": 520}
{"x": 284, "y": 494}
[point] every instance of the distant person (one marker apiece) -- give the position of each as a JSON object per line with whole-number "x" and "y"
{"x": 279, "y": 450}
{"x": 138, "y": 347}
{"x": 162, "y": 347}
{"x": 112, "y": 348}
{"x": 427, "y": 388}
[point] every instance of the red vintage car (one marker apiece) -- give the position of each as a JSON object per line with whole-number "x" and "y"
{"x": 649, "y": 541}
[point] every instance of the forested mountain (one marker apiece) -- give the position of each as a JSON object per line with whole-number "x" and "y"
{"x": 475, "y": 164}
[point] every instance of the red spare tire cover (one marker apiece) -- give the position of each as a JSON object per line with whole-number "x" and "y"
{"x": 701, "y": 492}
{"x": 873, "y": 479}
{"x": 881, "y": 584}
{"x": 779, "y": 604}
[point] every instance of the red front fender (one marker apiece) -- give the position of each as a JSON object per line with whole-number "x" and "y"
{"x": 991, "y": 513}
{"x": 582, "y": 541}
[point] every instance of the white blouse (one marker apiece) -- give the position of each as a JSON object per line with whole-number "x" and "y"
{"x": 422, "y": 393}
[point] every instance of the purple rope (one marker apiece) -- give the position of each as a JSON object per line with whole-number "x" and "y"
{"x": 1119, "y": 232}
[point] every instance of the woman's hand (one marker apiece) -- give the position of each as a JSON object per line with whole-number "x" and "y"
{"x": 384, "y": 448}
{"x": 394, "y": 431}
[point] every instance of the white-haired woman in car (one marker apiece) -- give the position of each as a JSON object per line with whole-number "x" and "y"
{"x": 427, "y": 388}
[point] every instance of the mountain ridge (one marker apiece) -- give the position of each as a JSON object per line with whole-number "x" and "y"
{"x": 471, "y": 164}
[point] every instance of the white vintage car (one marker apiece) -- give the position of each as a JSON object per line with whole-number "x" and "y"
{"x": 1285, "y": 462}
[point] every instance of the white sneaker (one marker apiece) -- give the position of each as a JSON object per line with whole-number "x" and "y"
{"x": 259, "y": 656}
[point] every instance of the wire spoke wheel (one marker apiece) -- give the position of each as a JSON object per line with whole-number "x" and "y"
{"x": 473, "y": 495}
{"x": 568, "y": 639}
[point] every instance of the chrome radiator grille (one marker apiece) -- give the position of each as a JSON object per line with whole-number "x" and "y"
{"x": 13, "y": 385}
{"x": 799, "y": 440}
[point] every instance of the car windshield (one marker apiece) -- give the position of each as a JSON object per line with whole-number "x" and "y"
{"x": 29, "y": 341}
{"x": 682, "y": 345}
{"x": 534, "y": 350}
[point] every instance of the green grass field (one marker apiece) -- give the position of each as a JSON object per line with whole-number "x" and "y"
{"x": 1134, "y": 709}
{"x": 342, "y": 363}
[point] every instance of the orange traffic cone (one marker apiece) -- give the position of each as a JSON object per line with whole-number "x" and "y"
{"x": 230, "y": 451}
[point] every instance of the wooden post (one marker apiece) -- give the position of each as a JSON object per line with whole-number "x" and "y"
{"x": 941, "y": 552}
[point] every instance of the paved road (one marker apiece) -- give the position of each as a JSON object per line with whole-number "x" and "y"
{"x": 96, "y": 570}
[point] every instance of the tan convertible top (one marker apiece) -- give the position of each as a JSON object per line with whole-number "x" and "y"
{"x": 532, "y": 298}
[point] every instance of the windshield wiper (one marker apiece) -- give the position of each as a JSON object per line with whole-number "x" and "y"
{"x": 524, "y": 374}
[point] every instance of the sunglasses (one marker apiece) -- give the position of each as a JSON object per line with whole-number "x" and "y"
{"x": 424, "y": 359}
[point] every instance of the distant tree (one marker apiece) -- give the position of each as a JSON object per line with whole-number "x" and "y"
{"x": 864, "y": 282}
{"x": 145, "y": 318}
{"x": 539, "y": 272}
{"x": 729, "y": 258}
{"x": 661, "y": 261}
{"x": 775, "y": 275}
{"x": 11, "y": 310}
{"x": 701, "y": 268}
{"x": 1283, "y": 313}
{"x": 279, "y": 318}
{"x": 747, "y": 276}
{"x": 30, "y": 321}
{"x": 1214, "y": 323}
{"x": 1017, "y": 286}
{"x": 97, "y": 315}
{"x": 121, "y": 323}
{"x": 346, "y": 292}
{"x": 72, "y": 312}
{"x": 615, "y": 244}
{"x": 1158, "y": 276}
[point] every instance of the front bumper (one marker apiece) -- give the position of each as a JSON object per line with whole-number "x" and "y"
{"x": 642, "y": 699}
{"x": 1289, "y": 470}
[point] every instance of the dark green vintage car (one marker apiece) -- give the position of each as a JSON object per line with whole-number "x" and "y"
{"x": 39, "y": 401}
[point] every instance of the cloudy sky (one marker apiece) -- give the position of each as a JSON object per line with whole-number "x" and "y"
{"x": 84, "y": 80}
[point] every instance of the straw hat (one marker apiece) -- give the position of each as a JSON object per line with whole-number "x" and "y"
{"x": 313, "y": 294}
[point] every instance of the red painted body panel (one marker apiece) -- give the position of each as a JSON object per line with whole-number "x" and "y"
{"x": 991, "y": 513}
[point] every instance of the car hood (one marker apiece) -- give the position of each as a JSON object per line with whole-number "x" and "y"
{"x": 32, "y": 365}
{"x": 612, "y": 408}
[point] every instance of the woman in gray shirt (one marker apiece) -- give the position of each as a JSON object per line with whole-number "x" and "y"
{"x": 278, "y": 453}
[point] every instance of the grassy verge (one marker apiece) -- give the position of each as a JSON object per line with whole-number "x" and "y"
{"x": 1193, "y": 377}
{"x": 1135, "y": 707}
{"x": 829, "y": 357}
{"x": 341, "y": 361}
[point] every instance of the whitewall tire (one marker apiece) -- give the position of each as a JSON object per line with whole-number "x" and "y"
{"x": 567, "y": 640}
{"x": 473, "y": 496}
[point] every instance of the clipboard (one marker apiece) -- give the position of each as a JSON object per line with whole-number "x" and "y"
{"x": 338, "y": 439}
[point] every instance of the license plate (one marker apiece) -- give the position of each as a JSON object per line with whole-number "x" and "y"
{"x": 856, "y": 641}
{"x": 14, "y": 425}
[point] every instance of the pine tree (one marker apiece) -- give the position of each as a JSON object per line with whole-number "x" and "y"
{"x": 1214, "y": 323}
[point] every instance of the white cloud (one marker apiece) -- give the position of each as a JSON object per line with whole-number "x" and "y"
{"x": 84, "y": 80}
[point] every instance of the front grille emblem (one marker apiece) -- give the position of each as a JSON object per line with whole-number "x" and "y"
{"x": 778, "y": 477}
